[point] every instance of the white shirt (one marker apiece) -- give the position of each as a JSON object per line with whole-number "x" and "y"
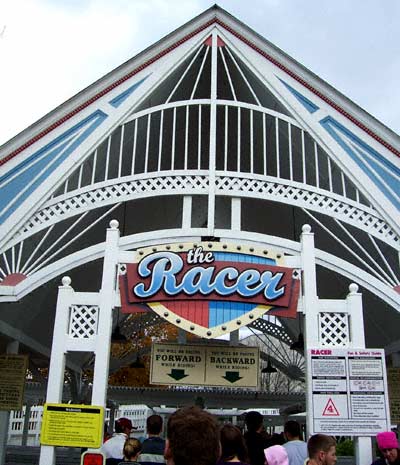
{"x": 114, "y": 447}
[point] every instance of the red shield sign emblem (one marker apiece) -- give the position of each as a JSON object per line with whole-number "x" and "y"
{"x": 209, "y": 289}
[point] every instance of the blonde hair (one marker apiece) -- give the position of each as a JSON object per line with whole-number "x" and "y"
{"x": 132, "y": 448}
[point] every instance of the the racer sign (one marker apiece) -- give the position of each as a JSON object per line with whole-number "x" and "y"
{"x": 193, "y": 283}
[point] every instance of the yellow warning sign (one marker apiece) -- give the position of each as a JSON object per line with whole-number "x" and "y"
{"x": 12, "y": 381}
{"x": 71, "y": 425}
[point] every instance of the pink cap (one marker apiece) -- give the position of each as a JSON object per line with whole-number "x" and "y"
{"x": 387, "y": 440}
{"x": 276, "y": 455}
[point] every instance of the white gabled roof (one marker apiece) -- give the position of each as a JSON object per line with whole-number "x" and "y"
{"x": 215, "y": 14}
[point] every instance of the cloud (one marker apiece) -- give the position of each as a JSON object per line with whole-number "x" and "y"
{"x": 51, "y": 50}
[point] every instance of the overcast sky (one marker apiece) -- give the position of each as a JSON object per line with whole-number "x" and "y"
{"x": 52, "y": 49}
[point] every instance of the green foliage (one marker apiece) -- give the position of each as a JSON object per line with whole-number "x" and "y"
{"x": 345, "y": 447}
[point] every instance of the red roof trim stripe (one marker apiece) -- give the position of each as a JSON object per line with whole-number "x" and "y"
{"x": 172, "y": 47}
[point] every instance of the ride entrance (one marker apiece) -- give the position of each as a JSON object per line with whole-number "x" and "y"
{"x": 241, "y": 193}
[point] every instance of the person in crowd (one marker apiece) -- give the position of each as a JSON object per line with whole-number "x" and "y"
{"x": 192, "y": 438}
{"x": 233, "y": 447}
{"x": 131, "y": 451}
{"x": 388, "y": 445}
{"x": 106, "y": 434}
{"x": 153, "y": 447}
{"x": 276, "y": 455}
{"x": 255, "y": 437}
{"x": 113, "y": 448}
{"x": 276, "y": 439}
{"x": 321, "y": 450}
{"x": 296, "y": 448}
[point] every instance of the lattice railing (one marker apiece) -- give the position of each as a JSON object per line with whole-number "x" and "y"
{"x": 69, "y": 205}
{"x": 345, "y": 210}
{"x": 83, "y": 321}
{"x": 334, "y": 329}
{"x": 80, "y": 202}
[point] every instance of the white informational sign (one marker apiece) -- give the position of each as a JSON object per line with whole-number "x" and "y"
{"x": 347, "y": 391}
{"x": 204, "y": 365}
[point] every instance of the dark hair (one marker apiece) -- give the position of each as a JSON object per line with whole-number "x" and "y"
{"x": 193, "y": 433}
{"x": 232, "y": 443}
{"x": 319, "y": 442}
{"x": 277, "y": 439}
{"x": 253, "y": 420}
{"x": 293, "y": 428}
{"x": 123, "y": 424}
{"x": 132, "y": 447}
{"x": 154, "y": 424}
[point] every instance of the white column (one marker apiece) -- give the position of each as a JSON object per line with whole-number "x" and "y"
{"x": 55, "y": 382}
{"x": 310, "y": 303}
{"x": 213, "y": 131}
{"x": 309, "y": 287}
{"x": 362, "y": 445}
{"x": 107, "y": 301}
{"x": 12, "y": 348}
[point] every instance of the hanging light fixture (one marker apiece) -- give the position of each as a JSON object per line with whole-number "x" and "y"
{"x": 269, "y": 368}
{"x": 117, "y": 337}
{"x": 299, "y": 344}
{"x": 137, "y": 363}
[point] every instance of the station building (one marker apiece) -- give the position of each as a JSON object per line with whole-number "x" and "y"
{"x": 211, "y": 137}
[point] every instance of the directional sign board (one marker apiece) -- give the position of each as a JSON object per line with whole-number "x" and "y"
{"x": 204, "y": 365}
{"x": 232, "y": 366}
{"x": 393, "y": 377}
{"x": 12, "y": 381}
{"x": 347, "y": 391}
{"x": 72, "y": 425}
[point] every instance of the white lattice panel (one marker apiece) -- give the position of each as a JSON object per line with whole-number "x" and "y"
{"x": 68, "y": 206}
{"x": 334, "y": 329}
{"x": 83, "y": 321}
{"x": 343, "y": 209}
{"x": 121, "y": 269}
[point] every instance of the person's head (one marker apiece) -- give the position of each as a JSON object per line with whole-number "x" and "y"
{"x": 276, "y": 439}
{"x": 192, "y": 437}
{"x": 154, "y": 424}
{"x": 322, "y": 449}
{"x": 123, "y": 425}
{"x": 132, "y": 449}
{"x": 276, "y": 455}
{"x": 232, "y": 443}
{"x": 388, "y": 445}
{"x": 254, "y": 421}
{"x": 292, "y": 430}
